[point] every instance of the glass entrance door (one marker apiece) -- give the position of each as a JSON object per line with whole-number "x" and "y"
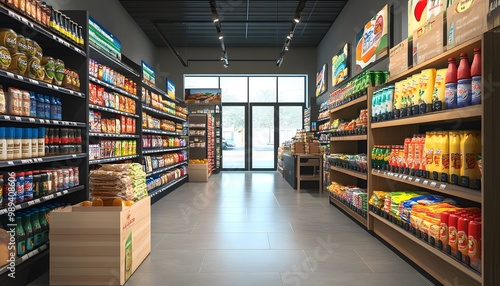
{"x": 263, "y": 121}
{"x": 233, "y": 137}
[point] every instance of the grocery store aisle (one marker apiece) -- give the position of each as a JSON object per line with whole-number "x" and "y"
{"x": 252, "y": 228}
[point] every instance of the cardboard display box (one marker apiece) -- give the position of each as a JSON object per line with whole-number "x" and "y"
{"x": 398, "y": 58}
{"x": 98, "y": 245}
{"x": 429, "y": 40}
{"x": 198, "y": 172}
{"x": 465, "y": 20}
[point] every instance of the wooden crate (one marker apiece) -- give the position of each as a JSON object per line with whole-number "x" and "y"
{"x": 198, "y": 172}
{"x": 87, "y": 244}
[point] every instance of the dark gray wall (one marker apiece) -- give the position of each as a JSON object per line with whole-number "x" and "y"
{"x": 112, "y": 16}
{"x": 353, "y": 17}
{"x": 296, "y": 61}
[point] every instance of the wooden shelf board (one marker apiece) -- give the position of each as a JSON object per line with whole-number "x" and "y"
{"x": 351, "y": 213}
{"x": 401, "y": 245}
{"x": 356, "y": 101}
{"x": 358, "y": 175}
{"x": 350, "y": 138}
{"x": 309, "y": 178}
{"x": 445, "y": 115}
{"x": 444, "y": 188}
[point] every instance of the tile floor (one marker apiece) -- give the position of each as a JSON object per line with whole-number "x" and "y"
{"x": 252, "y": 228}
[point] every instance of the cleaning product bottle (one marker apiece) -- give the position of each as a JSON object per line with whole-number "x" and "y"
{"x": 450, "y": 94}
{"x": 476, "y": 77}
{"x": 464, "y": 88}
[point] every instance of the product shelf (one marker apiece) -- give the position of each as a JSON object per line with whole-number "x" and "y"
{"x": 40, "y": 30}
{"x": 11, "y": 118}
{"x": 157, "y": 90}
{"x": 157, "y": 191}
{"x": 166, "y": 168}
{"x": 9, "y": 76}
{"x": 113, "y": 159}
{"x": 48, "y": 197}
{"x": 323, "y": 119}
{"x": 444, "y": 188}
{"x": 112, "y": 87}
{"x": 359, "y": 175}
{"x": 113, "y": 135}
{"x": 348, "y": 210}
{"x": 466, "y": 113}
{"x": 433, "y": 261}
{"x": 111, "y": 62}
{"x": 161, "y": 113}
{"x": 163, "y": 132}
{"x": 110, "y": 110}
{"x": 350, "y": 138}
{"x": 323, "y": 131}
{"x": 19, "y": 162}
{"x": 355, "y": 102}
{"x": 162, "y": 150}
{"x": 40, "y": 250}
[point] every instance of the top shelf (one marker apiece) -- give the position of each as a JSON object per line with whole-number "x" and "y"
{"x": 357, "y": 101}
{"x": 39, "y": 29}
{"x": 441, "y": 61}
{"x": 157, "y": 90}
{"x": 111, "y": 62}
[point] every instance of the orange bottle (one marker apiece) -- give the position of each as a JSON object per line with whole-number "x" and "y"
{"x": 455, "y": 160}
{"x": 445, "y": 157}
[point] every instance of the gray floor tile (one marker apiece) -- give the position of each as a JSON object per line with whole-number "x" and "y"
{"x": 172, "y": 261}
{"x": 337, "y": 261}
{"x": 211, "y": 279}
{"x": 254, "y": 261}
{"x": 215, "y": 241}
{"x": 352, "y": 279}
{"x": 268, "y": 226}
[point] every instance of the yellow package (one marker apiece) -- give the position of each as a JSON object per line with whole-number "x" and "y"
{"x": 439, "y": 89}
{"x": 377, "y": 199}
{"x": 415, "y": 89}
{"x": 427, "y": 79}
{"x": 397, "y": 95}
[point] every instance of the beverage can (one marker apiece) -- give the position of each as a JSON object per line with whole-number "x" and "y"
{"x": 19, "y": 187}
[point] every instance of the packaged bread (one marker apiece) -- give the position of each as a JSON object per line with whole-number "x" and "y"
{"x": 8, "y": 39}
{"x": 19, "y": 63}
{"x": 5, "y": 58}
{"x": 14, "y": 104}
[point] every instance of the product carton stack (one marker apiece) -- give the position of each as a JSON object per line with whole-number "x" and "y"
{"x": 305, "y": 143}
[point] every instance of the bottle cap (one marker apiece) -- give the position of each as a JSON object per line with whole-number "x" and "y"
{"x": 19, "y": 133}
{"x": 452, "y": 59}
{"x": 2, "y": 132}
{"x": 41, "y": 132}
{"x": 27, "y": 134}
{"x": 10, "y": 132}
{"x": 477, "y": 50}
{"x": 34, "y": 133}
{"x": 463, "y": 55}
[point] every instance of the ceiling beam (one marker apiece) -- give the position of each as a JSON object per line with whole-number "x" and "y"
{"x": 241, "y": 21}
{"x": 169, "y": 45}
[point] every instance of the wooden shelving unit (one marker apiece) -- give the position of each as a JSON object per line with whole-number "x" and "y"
{"x": 309, "y": 160}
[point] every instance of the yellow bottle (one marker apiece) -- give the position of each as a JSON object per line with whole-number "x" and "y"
{"x": 397, "y": 98}
{"x": 439, "y": 89}
{"x": 438, "y": 149}
{"x": 470, "y": 169}
{"x": 427, "y": 78}
{"x": 455, "y": 160}
{"x": 429, "y": 153}
{"x": 445, "y": 157}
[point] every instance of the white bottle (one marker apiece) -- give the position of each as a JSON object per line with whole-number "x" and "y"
{"x": 41, "y": 141}
{"x": 26, "y": 144}
{"x": 18, "y": 138}
{"x": 9, "y": 139}
{"x": 34, "y": 142}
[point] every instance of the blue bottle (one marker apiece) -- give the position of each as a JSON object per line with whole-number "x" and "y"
{"x": 40, "y": 106}
{"x": 32, "y": 104}
{"x": 59, "y": 109}
{"x": 53, "y": 109}
{"x": 46, "y": 107}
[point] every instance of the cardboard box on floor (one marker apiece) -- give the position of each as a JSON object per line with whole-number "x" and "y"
{"x": 198, "y": 172}
{"x": 89, "y": 245}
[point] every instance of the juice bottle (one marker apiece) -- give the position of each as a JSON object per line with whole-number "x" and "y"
{"x": 389, "y": 97}
{"x": 439, "y": 90}
{"x": 374, "y": 156}
{"x": 411, "y": 154}
{"x": 474, "y": 249}
{"x": 469, "y": 170}
{"x": 464, "y": 88}
{"x": 462, "y": 237}
{"x": 422, "y": 155}
{"x": 20, "y": 237}
{"x": 406, "y": 152}
{"x": 450, "y": 94}
{"x": 417, "y": 159}
{"x": 443, "y": 231}
{"x": 397, "y": 99}
{"x": 476, "y": 77}
{"x": 415, "y": 91}
{"x": 387, "y": 156}
{"x": 437, "y": 155}
{"x": 455, "y": 160}
{"x": 28, "y": 230}
{"x": 427, "y": 79}
{"x": 445, "y": 157}
{"x": 452, "y": 234}
{"x": 429, "y": 153}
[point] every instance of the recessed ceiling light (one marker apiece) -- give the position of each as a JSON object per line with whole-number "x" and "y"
{"x": 296, "y": 20}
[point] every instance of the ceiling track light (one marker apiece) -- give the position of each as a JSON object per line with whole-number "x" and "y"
{"x": 217, "y": 23}
{"x": 289, "y": 37}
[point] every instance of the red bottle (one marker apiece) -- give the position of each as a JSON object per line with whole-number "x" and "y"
{"x": 443, "y": 231}
{"x": 474, "y": 250}
{"x": 453, "y": 234}
{"x": 463, "y": 235}
{"x": 464, "y": 83}
{"x": 450, "y": 96}
{"x": 476, "y": 77}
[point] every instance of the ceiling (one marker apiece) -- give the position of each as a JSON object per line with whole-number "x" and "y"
{"x": 244, "y": 23}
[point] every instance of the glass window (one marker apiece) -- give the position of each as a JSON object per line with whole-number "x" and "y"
{"x": 291, "y": 89}
{"x": 234, "y": 89}
{"x": 262, "y": 89}
{"x": 290, "y": 122}
{"x": 201, "y": 82}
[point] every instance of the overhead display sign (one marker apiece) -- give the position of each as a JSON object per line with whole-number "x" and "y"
{"x": 340, "y": 66}
{"x": 372, "y": 41}
{"x": 170, "y": 89}
{"x": 321, "y": 81}
{"x": 104, "y": 40}
{"x": 148, "y": 74}
{"x": 209, "y": 95}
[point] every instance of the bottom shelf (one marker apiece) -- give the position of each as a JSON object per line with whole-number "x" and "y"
{"x": 442, "y": 267}
{"x": 352, "y": 213}
{"x": 161, "y": 189}
{"x": 42, "y": 249}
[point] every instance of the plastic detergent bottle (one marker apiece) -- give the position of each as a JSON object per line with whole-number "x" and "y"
{"x": 476, "y": 77}
{"x": 450, "y": 94}
{"x": 464, "y": 88}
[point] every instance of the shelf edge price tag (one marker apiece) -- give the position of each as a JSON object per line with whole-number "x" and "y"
{"x": 19, "y": 77}
{"x": 433, "y": 184}
{"x": 34, "y": 81}
{"x": 65, "y": 192}
{"x": 405, "y": 177}
{"x": 37, "y": 201}
{"x": 417, "y": 180}
{"x": 410, "y": 179}
{"x": 17, "y": 118}
{"x": 442, "y": 187}
{"x": 425, "y": 182}
{"x": 10, "y": 74}
{"x": 31, "y": 119}
{"x": 30, "y": 203}
{"x": 11, "y": 163}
